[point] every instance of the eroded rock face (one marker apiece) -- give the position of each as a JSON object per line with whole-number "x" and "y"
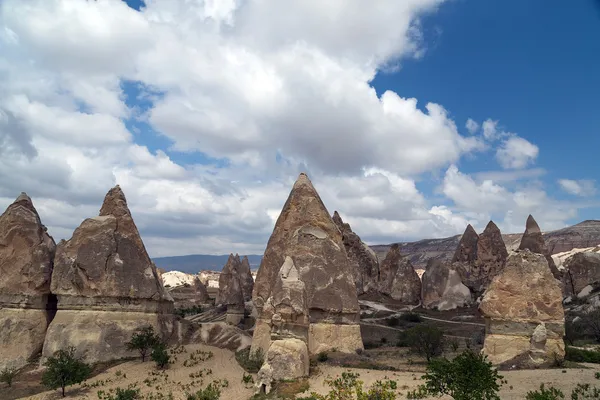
{"x": 443, "y": 288}
{"x": 466, "y": 251}
{"x": 491, "y": 258}
{"x": 306, "y": 234}
{"x": 286, "y": 359}
{"x": 362, "y": 256}
{"x": 106, "y": 286}
{"x": 246, "y": 279}
{"x": 534, "y": 241}
{"x": 582, "y": 270}
{"x": 26, "y": 260}
{"x": 230, "y": 290}
{"x": 186, "y": 296}
{"x": 522, "y": 297}
{"x": 399, "y": 280}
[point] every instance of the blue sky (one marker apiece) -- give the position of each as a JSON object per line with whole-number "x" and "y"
{"x": 205, "y": 113}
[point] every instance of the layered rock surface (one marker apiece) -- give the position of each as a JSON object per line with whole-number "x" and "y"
{"x": 106, "y": 285}
{"x": 442, "y": 287}
{"x": 364, "y": 259}
{"x": 306, "y": 234}
{"x": 524, "y": 312}
{"x": 189, "y": 295}
{"x": 26, "y": 305}
{"x": 398, "y": 278}
{"x": 534, "y": 241}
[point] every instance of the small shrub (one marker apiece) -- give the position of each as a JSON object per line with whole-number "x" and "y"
{"x": 160, "y": 355}
{"x": 468, "y": 377}
{"x": 64, "y": 369}
{"x": 247, "y": 379}
{"x": 322, "y": 357}
{"x": 7, "y": 375}
{"x": 349, "y": 387}
{"x": 454, "y": 344}
{"x": 392, "y": 321}
{"x": 250, "y": 362}
{"x": 142, "y": 340}
{"x": 581, "y": 355}
{"x": 211, "y": 392}
{"x": 426, "y": 340}
{"x": 551, "y": 393}
{"x": 411, "y": 317}
{"x": 120, "y": 394}
{"x": 597, "y": 375}
{"x": 585, "y": 391}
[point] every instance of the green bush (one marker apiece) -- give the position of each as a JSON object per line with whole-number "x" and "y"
{"x": 581, "y": 355}
{"x": 468, "y": 377}
{"x": 142, "y": 340}
{"x": 586, "y": 391}
{"x": 322, "y": 357}
{"x": 250, "y": 362}
{"x": 211, "y": 392}
{"x": 426, "y": 340}
{"x": 7, "y": 375}
{"x": 64, "y": 369}
{"x": 411, "y": 317}
{"x": 160, "y": 355}
{"x": 349, "y": 387}
{"x": 551, "y": 393}
{"x": 120, "y": 394}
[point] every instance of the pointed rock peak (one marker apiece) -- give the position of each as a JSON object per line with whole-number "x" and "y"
{"x": 531, "y": 226}
{"x": 470, "y": 231}
{"x": 24, "y": 201}
{"x": 23, "y": 197}
{"x": 395, "y": 249}
{"x": 491, "y": 227}
{"x": 336, "y": 218}
{"x": 466, "y": 251}
{"x": 115, "y": 203}
{"x": 303, "y": 180}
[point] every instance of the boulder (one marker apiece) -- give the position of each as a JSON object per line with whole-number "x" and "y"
{"x": 363, "y": 258}
{"x": 286, "y": 359}
{"x": 306, "y": 234}
{"x": 442, "y": 287}
{"x": 534, "y": 241}
{"x": 582, "y": 270}
{"x": 399, "y": 280}
{"x": 106, "y": 285}
{"x": 466, "y": 251}
{"x": 246, "y": 279}
{"x": 522, "y": 297}
{"x": 26, "y": 305}
{"x": 187, "y": 296}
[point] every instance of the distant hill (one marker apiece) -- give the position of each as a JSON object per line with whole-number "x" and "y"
{"x": 192, "y": 264}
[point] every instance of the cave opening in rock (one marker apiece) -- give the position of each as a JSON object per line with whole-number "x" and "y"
{"x": 51, "y": 307}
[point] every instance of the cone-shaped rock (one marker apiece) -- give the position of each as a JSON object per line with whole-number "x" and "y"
{"x": 26, "y": 254}
{"x": 306, "y": 234}
{"x": 524, "y": 312}
{"x": 186, "y": 296}
{"x": 534, "y": 241}
{"x": 230, "y": 290}
{"x": 399, "y": 280}
{"x": 466, "y": 250}
{"x": 107, "y": 286}
{"x": 443, "y": 288}
{"x": 364, "y": 259}
{"x": 246, "y": 279}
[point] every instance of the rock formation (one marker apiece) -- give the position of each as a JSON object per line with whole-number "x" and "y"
{"x": 246, "y": 279}
{"x": 306, "y": 234}
{"x": 106, "y": 285}
{"x": 489, "y": 262}
{"x": 466, "y": 251}
{"x": 364, "y": 259}
{"x": 398, "y": 278}
{"x": 582, "y": 273}
{"x": 442, "y": 287}
{"x": 26, "y": 305}
{"x": 534, "y": 241}
{"x": 230, "y": 290}
{"x": 524, "y": 313}
{"x": 189, "y": 295}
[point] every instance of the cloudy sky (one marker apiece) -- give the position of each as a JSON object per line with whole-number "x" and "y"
{"x": 412, "y": 118}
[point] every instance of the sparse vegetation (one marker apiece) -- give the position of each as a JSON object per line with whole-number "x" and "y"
{"x": 211, "y": 392}
{"x": 426, "y": 340}
{"x": 349, "y": 387}
{"x": 322, "y": 356}
{"x": 142, "y": 340}
{"x": 581, "y": 355}
{"x": 64, "y": 369}
{"x": 411, "y": 317}
{"x": 585, "y": 391}
{"x": 468, "y": 377}
{"x": 250, "y": 362}
{"x": 7, "y": 375}
{"x": 120, "y": 394}
{"x": 194, "y": 310}
{"x": 551, "y": 393}
{"x": 160, "y": 355}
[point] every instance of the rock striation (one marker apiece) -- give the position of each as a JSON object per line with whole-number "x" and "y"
{"x": 26, "y": 305}
{"x": 524, "y": 313}
{"x": 306, "y": 234}
{"x": 366, "y": 275}
{"x": 398, "y": 278}
{"x": 442, "y": 287}
{"x": 534, "y": 241}
{"x": 189, "y": 295}
{"x": 106, "y": 285}
{"x": 230, "y": 292}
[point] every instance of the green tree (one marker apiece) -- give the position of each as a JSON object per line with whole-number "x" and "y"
{"x": 159, "y": 355}
{"x": 143, "y": 340}
{"x": 426, "y": 340}
{"x": 7, "y": 375}
{"x": 64, "y": 369}
{"x": 468, "y": 377}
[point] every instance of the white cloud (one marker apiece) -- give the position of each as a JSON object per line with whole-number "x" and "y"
{"x": 490, "y": 129}
{"x": 472, "y": 126}
{"x": 516, "y": 153}
{"x": 582, "y": 187}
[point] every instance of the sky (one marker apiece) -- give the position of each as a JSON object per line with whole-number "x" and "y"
{"x": 412, "y": 118}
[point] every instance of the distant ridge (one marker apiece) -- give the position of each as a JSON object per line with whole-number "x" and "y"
{"x": 195, "y": 263}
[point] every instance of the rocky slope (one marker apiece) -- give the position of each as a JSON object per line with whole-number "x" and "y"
{"x": 582, "y": 235}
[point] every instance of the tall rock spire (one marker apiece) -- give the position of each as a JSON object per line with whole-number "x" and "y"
{"x": 534, "y": 241}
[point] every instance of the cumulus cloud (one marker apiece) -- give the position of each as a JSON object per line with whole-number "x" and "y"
{"x": 516, "y": 153}
{"x": 268, "y": 89}
{"x": 582, "y": 187}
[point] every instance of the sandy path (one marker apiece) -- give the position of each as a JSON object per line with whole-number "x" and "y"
{"x": 521, "y": 381}
{"x": 223, "y": 365}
